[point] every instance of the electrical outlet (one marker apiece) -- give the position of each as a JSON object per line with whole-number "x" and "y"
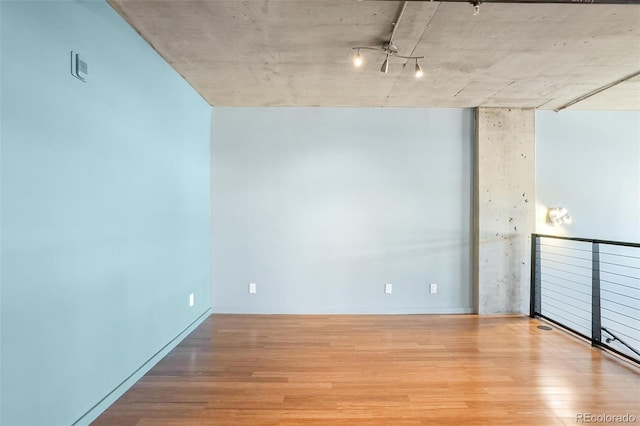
{"x": 252, "y": 288}
{"x": 388, "y": 288}
{"x": 433, "y": 288}
{"x": 191, "y": 300}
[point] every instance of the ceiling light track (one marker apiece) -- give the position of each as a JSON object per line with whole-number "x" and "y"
{"x": 385, "y": 50}
{"x": 397, "y": 23}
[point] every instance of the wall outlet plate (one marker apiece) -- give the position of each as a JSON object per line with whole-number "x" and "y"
{"x": 252, "y": 288}
{"x": 388, "y": 288}
{"x": 433, "y": 288}
{"x": 191, "y": 300}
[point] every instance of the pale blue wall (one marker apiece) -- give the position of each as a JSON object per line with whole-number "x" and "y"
{"x": 589, "y": 162}
{"x": 105, "y": 208}
{"x": 323, "y": 206}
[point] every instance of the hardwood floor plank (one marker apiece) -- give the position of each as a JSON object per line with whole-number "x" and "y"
{"x": 276, "y": 370}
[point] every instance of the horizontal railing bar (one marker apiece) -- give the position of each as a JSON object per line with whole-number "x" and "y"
{"x": 619, "y": 294}
{"x": 564, "y": 263}
{"x": 566, "y": 272}
{"x": 620, "y": 313}
{"x": 622, "y": 285}
{"x": 589, "y": 240}
{"x": 565, "y": 255}
{"x": 621, "y": 304}
{"x": 566, "y": 279}
{"x": 569, "y": 324}
{"x": 555, "y": 311}
{"x": 620, "y": 265}
{"x": 547, "y": 297}
{"x": 568, "y": 288}
{"x": 555, "y": 314}
{"x": 620, "y": 275}
{"x": 620, "y": 255}
{"x": 556, "y": 248}
{"x": 565, "y": 248}
{"x": 564, "y": 318}
{"x": 570, "y": 296}
{"x": 545, "y": 300}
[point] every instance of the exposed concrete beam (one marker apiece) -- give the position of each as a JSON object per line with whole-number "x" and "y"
{"x": 598, "y": 90}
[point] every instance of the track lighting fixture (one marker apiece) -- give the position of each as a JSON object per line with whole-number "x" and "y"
{"x": 388, "y": 49}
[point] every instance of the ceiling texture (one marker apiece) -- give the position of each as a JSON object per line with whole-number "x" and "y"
{"x": 299, "y": 52}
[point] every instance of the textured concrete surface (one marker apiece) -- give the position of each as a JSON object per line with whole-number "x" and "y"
{"x": 505, "y": 208}
{"x": 298, "y": 53}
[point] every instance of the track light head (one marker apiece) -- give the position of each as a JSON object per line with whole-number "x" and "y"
{"x": 419, "y": 72}
{"x": 357, "y": 61}
{"x": 385, "y": 65}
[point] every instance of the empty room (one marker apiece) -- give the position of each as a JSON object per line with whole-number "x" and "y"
{"x": 319, "y": 212}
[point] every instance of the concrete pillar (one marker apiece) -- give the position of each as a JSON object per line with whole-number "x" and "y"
{"x": 505, "y": 208}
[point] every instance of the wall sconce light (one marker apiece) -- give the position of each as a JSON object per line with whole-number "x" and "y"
{"x": 558, "y": 216}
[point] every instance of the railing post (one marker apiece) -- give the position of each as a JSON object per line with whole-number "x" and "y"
{"x": 596, "y": 330}
{"x": 535, "y": 297}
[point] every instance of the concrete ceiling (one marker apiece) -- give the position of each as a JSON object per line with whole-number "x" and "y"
{"x": 298, "y": 52}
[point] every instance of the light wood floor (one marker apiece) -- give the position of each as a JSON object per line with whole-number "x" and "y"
{"x": 378, "y": 370}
